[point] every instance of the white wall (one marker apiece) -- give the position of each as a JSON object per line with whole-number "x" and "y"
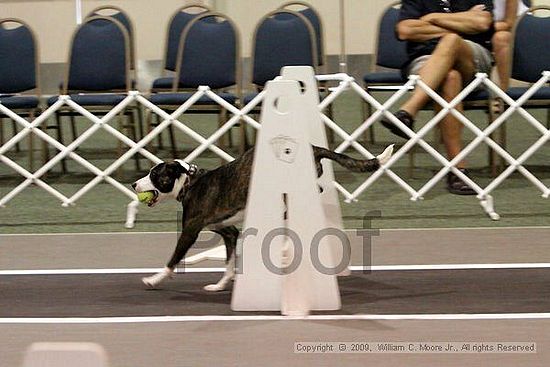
{"x": 54, "y": 21}
{"x": 360, "y": 18}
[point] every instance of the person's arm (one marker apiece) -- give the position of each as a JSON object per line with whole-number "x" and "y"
{"x": 417, "y": 30}
{"x": 475, "y": 20}
{"x": 510, "y": 14}
{"x": 411, "y": 28}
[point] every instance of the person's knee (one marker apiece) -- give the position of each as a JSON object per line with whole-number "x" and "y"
{"x": 451, "y": 41}
{"x": 453, "y": 78}
{"x": 452, "y": 85}
{"x": 502, "y": 39}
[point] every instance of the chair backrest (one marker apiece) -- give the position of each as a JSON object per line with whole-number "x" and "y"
{"x": 391, "y": 52}
{"x": 208, "y": 53}
{"x": 315, "y": 18}
{"x": 282, "y": 41}
{"x": 19, "y": 69}
{"x": 180, "y": 19}
{"x": 530, "y": 57}
{"x": 120, "y": 15}
{"x": 99, "y": 57}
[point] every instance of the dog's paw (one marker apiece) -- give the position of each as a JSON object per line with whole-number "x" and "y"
{"x": 149, "y": 282}
{"x": 214, "y": 287}
{"x": 155, "y": 279}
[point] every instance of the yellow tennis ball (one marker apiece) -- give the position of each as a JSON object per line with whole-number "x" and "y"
{"x": 145, "y": 197}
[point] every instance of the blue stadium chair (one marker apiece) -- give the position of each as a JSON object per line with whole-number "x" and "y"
{"x": 120, "y": 15}
{"x": 391, "y": 52}
{"x": 390, "y": 55}
{"x": 180, "y": 19}
{"x": 281, "y": 38}
{"x": 19, "y": 74}
{"x": 98, "y": 71}
{"x": 315, "y": 19}
{"x": 281, "y": 41}
{"x": 531, "y": 55}
{"x": 209, "y": 55}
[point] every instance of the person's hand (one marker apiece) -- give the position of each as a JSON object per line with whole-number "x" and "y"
{"x": 478, "y": 7}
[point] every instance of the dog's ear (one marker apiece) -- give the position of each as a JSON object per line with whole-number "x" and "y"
{"x": 176, "y": 168}
{"x": 187, "y": 168}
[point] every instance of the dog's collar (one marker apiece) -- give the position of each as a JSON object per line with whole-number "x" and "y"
{"x": 190, "y": 168}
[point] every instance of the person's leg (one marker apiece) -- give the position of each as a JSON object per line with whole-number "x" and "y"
{"x": 452, "y": 52}
{"x": 451, "y": 127}
{"x": 501, "y": 49}
{"x": 451, "y": 132}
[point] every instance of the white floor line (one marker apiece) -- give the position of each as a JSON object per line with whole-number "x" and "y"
{"x": 158, "y": 319}
{"x": 219, "y": 270}
{"x": 106, "y": 271}
{"x": 347, "y": 229}
{"x": 452, "y": 266}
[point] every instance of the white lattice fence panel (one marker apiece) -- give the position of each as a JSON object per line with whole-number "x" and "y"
{"x": 346, "y": 83}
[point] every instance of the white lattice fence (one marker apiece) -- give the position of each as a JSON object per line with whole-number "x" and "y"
{"x": 482, "y": 136}
{"x": 242, "y": 115}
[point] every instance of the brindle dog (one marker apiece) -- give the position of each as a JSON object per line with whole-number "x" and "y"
{"x": 216, "y": 199}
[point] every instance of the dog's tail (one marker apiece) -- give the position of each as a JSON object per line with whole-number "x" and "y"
{"x": 352, "y": 164}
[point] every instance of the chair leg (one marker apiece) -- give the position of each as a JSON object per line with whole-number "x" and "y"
{"x": 172, "y": 142}
{"x": 410, "y": 168}
{"x": 45, "y": 151}
{"x": 17, "y": 146}
{"x": 1, "y": 131}
{"x": 148, "y": 128}
{"x": 367, "y": 112}
{"x": 255, "y": 131}
{"x": 73, "y": 127}
{"x": 31, "y": 145}
{"x": 139, "y": 111}
{"x": 364, "y": 118}
{"x": 133, "y": 132}
{"x": 222, "y": 119}
{"x": 120, "y": 127}
{"x": 243, "y": 138}
{"x": 503, "y": 143}
{"x": 60, "y": 139}
{"x": 329, "y": 131}
{"x": 159, "y": 136}
{"x": 492, "y": 153}
{"x": 502, "y": 136}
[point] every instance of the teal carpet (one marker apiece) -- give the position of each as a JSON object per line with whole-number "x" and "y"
{"x": 384, "y": 205}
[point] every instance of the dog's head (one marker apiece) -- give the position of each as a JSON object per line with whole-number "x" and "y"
{"x": 165, "y": 180}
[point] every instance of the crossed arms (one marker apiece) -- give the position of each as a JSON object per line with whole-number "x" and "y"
{"x": 434, "y": 25}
